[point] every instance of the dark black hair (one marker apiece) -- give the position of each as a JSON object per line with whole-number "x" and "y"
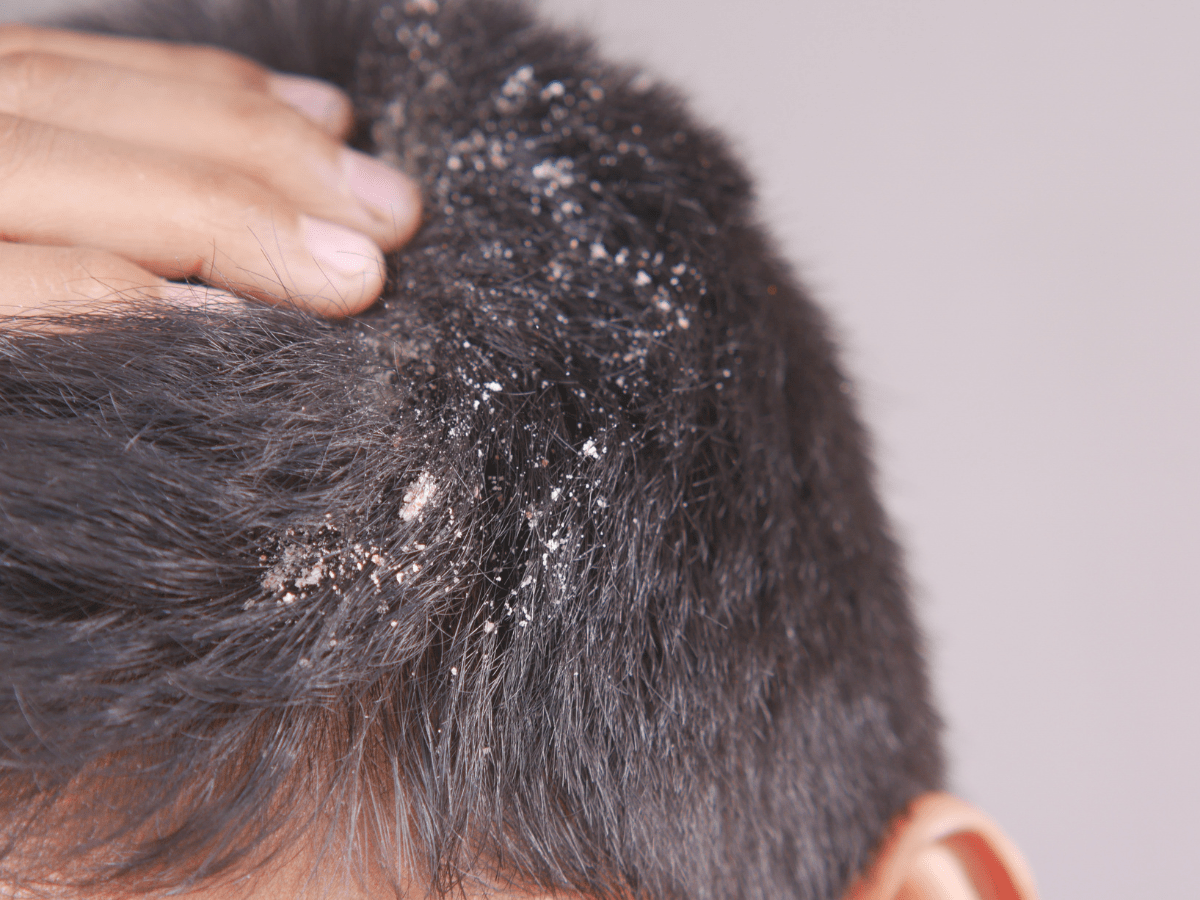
{"x": 561, "y": 568}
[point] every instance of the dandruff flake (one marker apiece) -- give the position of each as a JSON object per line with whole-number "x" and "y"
{"x": 556, "y": 172}
{"x": 417, "y": 496}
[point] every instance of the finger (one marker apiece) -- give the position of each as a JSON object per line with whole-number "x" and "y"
{"x": 239, "y": 128}
{"x": 178, "y": 217}
{"x": 318, "y": 100}
{"x": 57, "y": 281}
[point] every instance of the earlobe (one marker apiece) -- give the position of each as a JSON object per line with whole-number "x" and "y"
{"x": 942, "y": 848}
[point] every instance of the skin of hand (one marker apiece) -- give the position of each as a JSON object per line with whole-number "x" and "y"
{"x": 125, "y": 163}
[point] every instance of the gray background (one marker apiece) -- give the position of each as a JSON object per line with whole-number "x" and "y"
{"x": 1000, "y": 204}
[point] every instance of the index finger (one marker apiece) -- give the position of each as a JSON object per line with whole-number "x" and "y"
{"x": 320, "y": 101}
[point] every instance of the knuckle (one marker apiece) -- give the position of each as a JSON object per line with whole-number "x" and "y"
{"x": 19, "y": 147}
{"x": 30, "y": 68}
{"x": 282, "y": 138}
{"x": 229, "y": 204}
{"x": 12, "y": 137}
{"x": 227, "y": 67}
{"x": 255, "y": 112}
{"x": 27, "y": 74}
{"x": 227, "y": 188}
{"x": 15, "y": 35}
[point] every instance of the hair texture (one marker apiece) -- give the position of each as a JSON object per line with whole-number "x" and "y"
{"x": 561, "y": 568}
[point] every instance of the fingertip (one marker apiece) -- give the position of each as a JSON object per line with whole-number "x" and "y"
{"x": 391, "y": 198}
{"x": 350, "y": 269}
{"x": 318, "y": 101}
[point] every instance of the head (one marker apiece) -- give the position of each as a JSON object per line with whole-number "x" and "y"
{"x": 560, "y": 571}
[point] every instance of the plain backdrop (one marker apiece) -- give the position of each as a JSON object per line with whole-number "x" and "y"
{"x": 1000, "y": 205}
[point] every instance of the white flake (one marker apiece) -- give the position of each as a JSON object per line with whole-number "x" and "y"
{"x": 518, "y": 82}
{"x": 417, "y": 496}
{"x": 313, "y": 577}
{"x": 556, "y": 172}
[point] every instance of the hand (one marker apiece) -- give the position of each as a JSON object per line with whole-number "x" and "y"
{"x": 125, "y": 162}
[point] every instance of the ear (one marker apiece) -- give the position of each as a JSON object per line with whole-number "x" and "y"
{"x": 942, "y": 848}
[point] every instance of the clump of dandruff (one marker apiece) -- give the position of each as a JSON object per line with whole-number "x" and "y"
{"x": 418, "y": 495}
{"x": 298, "y": 563}
{"x": 301, "y": 562}
{"x": 515, "y": 90}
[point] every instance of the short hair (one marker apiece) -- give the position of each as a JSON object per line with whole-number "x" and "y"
{"x": 560, "y": 568}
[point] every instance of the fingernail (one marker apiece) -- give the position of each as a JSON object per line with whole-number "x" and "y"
{"x": 388, "y": 195}
{"x": 196, "y": 296}
{"x": 319, "y": 101}
{"x": 350, "y": 263}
